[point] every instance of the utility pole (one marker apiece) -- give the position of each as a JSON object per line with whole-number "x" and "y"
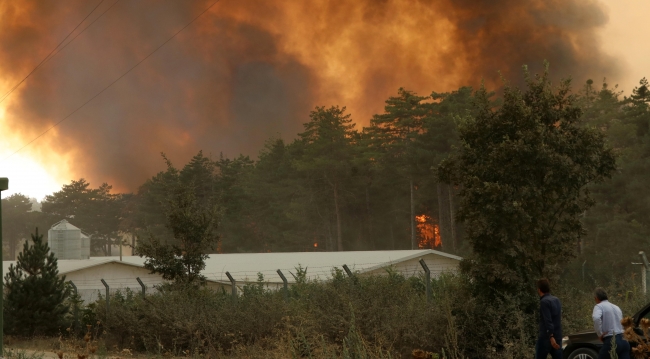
{"x": 4, "y": 185}
{"x": 644, "y": 274}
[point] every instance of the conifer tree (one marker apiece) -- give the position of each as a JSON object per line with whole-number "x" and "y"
{"x": 34, "y": 292}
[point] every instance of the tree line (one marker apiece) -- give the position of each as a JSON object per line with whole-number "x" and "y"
{"x": 340, "y": 187}
{"x": 527, "y": 181}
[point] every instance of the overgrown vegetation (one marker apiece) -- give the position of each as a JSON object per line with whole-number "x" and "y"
{"x": 521, "y": 174}
{"x": 363, "y": 317}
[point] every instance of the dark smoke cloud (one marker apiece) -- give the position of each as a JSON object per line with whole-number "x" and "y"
{"x": 249, "y": 70}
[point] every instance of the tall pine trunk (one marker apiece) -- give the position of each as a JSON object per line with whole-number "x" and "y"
{"x": 452, "y": 218}
{"x": 414, "y": 244}
{"x": 370, "y": 237}
{"x": 443, "y": 216}
{"x": 330, "y": 240}
{"x": 339, "y": 240}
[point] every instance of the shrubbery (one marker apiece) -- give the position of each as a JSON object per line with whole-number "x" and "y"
{"x": 391, "y": 311}
{"x": 381, "y": 315}
{"x": 364, "y": 317}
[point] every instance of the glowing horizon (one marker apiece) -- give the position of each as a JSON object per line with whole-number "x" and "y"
{"x": 44, "y": 166}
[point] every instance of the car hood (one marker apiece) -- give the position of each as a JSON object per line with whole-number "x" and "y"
{"x": 588, "y": 336}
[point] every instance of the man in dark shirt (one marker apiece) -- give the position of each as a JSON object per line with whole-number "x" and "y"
{"x": 550, "y": 323}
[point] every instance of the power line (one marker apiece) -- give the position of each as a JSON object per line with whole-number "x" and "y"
{"x": 82, "y": 31}
{"x": 112, "y": 83}
{"x": 50, "y": 54}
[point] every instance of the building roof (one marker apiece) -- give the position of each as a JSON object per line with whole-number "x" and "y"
{"x": 64, "y": 225}
{"x": 72, "y": 265}
{"x": 244, "y": 267}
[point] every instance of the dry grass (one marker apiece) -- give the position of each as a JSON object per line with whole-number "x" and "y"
{"x": 371, "y": 317}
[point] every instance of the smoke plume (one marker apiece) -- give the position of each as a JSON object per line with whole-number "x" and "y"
{"x": 249, "y": 69}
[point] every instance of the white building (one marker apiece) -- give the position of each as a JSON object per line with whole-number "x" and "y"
{"x": 86, "y": 274}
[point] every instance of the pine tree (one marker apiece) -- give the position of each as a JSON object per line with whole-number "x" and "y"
{"x": 394, "y": 136}
{"x": 34, "y": 292}
{"x": 328, "y": 155}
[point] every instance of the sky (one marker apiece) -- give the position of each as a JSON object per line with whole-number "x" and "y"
{"x": 241, "y": 75}
{"x": 623, "y": 38}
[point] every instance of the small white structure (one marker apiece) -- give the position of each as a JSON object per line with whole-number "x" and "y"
{"x": 67, "y": 242}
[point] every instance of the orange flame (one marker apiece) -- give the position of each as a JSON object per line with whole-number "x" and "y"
{"x": 428, "y": 232}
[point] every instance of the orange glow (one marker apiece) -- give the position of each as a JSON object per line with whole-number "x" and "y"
{"x": 219, "y": 249}
{"x": 428, "y": 232}
{"x": 35, "y": 171}
{"x": 277, "y": 59}
{"x": 315, "y": 245}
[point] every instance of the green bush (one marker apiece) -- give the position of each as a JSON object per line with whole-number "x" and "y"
{"x": 391, "y": 310}
{"x": 365, "y": 316}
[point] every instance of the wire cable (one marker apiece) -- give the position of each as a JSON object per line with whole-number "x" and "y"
{"x": 112, "y": 83}
{"x": 50, "y": 54}
{"x": 82, "y": 31}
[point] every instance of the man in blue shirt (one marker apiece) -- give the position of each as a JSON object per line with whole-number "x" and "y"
{"x": 607, "y": 323}
{"x": 550, "y": 323}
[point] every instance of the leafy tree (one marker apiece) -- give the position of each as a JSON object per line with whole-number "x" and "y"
{"x": 192, "y": 221}
{"x": 34, "y": 292}
{"x": 15, "y": 218}
{"x": 523, "y": 169}
{"x": 95, "y": 210}
{"x": 145, "y": 212}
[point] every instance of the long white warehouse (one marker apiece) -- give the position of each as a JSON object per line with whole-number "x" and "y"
{"x": 87, "y": 274}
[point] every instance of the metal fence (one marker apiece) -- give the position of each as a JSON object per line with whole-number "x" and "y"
{"x": 86, "y": 294}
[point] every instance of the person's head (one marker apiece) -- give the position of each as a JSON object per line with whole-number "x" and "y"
{"x": 600, "y": 295}
{"x": 543, "y": 287}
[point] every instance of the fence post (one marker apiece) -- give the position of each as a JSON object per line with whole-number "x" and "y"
{"x": 76, "y": 306}
{"x": 348, "y": 271}
{"x": 108, "y": 298}
{"x": 353, "y": 278}
{"x": 144, "y": 288}
{"x": 234, "y": 287}
{"x": 644, "y": 274}
{"x": 427, "y": 277}
{"x": 286, "y": 285}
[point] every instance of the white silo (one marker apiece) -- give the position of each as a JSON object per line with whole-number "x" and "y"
{"x": 85, "y": 246}
{"x": 65, "y": 241}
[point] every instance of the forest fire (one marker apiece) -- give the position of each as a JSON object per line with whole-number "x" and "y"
{"x": 247, "y": 70}
{"x": 428, "y": 232}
